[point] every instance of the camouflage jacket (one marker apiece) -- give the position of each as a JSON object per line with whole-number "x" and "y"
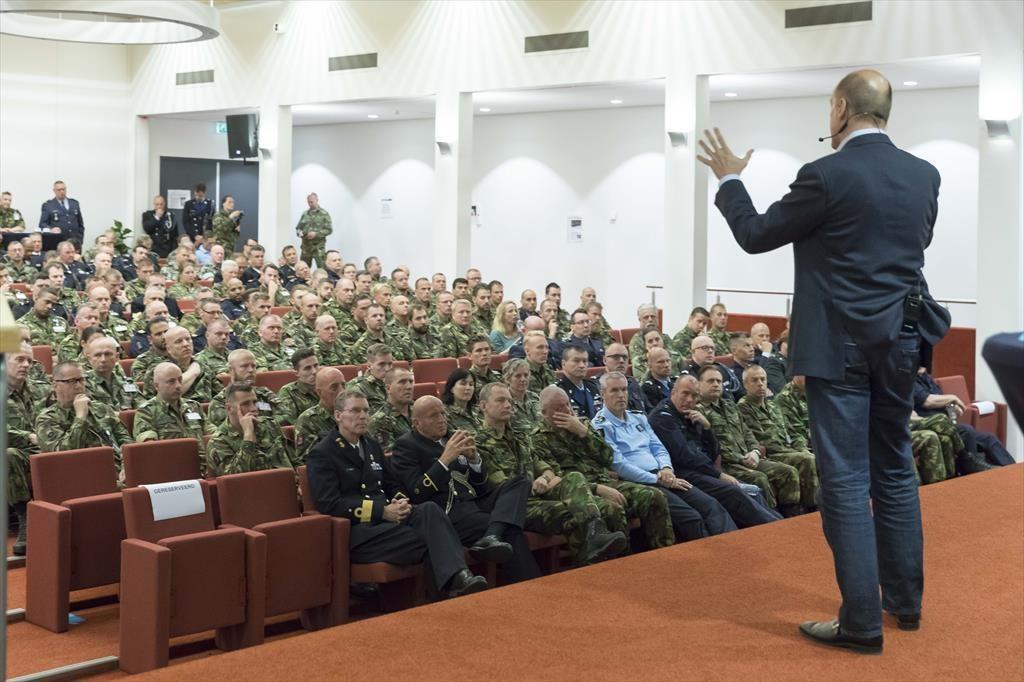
{"x": 591, "y": 455}
{"x": 266, "y": 403}
{"x": 481, "y": 379}
{"x": 147, "y": 361}
{"x": 721, "y": 339}
{"x": 314, "y": 220}
{"x": 423, "y": 346}
{"x": 541, "y": 376}
{"x": 733, "y": 436}
{"x": 270, "y": 359}
{"x": 295, "y": 398}
{"x": 386, "y": 425}
{"x": 792, "y": 405}
{"x": 768, "y": 426}
{"x": 58, "y": 428}
{"x": 682, "y": 341}
{"x": 452, "y": 339}
{"x": 309, "y": 427}
{"x": 372, "y": 388}
{"x": 332, "y": 354}
{"x": 526, "y": 414}
{"x": 508, "y": 454}
{"x": 157, "y": 419}
{"x": 393, "y": 340}
{"x": 202, "y": 390}
{"x": 229, "y": 453}
{"x": 215, "y": 363}
{"x": 121, "y": 393}
{"x": 45, "y": 332}
{"x": 459, "y": 419}
{"x": 23, "y": 406}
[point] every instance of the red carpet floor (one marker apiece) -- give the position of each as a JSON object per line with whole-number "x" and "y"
{"x": 724, "y": 608}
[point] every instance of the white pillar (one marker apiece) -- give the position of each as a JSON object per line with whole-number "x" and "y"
{"x": 139, "y": 196}
{"x": 1000, "y": 289}
{"x": 686, "y": 204}
{"x": 276, "y": 226}
{"x": 453, "y": 126}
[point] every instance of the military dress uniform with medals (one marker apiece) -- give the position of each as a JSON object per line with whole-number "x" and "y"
{"x": 163, "y": 230}
{"x": 197, "y": 216}
{"x": 350, "y": 481}
{"x": 66, "y": 216}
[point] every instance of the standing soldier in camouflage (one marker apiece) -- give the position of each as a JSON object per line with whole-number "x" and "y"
{"x": 741, "y": 455}
{"x": 318, "y": 420}
{"x": 422, "y": 340}
{"x": 371, "y": 382}
{"x": 792, "y": 404}
{"x": 10, "y": 218}
{"x": 167, "y": 415}
{"x": 24, "y": 401}
{"x": 105, "y": 381}
{"x": 574, "y": 445}
{"x": 225, "y": 224}
{"x": 766, "y": 423}
{"x": 46, "y": 327}
{"x": 393, "y": 419}
{"x": 246, "y": 441}
{"x": 75, "y": 421}
{"x": 453, "y": 337}
{"x": 300, "y": 395}
{"x": 313, "y": 228}
{"x": 559, "y": 504}
{"x": 242, "y": 370}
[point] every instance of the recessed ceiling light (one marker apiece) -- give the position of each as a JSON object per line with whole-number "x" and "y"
{"x": 372, "y": 116}
{"x": 615, "y": 101}
{"x": 910, "y": 84}
{"x": 485, "y": 109}
{"x": 731, "y": 94}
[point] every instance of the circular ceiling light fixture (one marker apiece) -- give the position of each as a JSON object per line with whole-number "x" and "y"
{"x": 113, "y": 22}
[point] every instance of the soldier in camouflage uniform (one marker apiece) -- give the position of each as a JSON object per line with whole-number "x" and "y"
{"x": 245, "y": 441}
{"x": 647, "y": 315}
{"x": 651, "y": 338}
{"x": 553, "y": 292}
{"x": 18, "y": 268}
{"x": 718, "y": 334}
{"x": 319, "y": 419}
{"x": 376, "y": 334}
{"x": 302, "y": 331}
{"x": 113, "y": 325}
{"x": 46, "y": 327}
{"x": 200, "y": 383}
{"x": 247, "y": 327}
{"x": 442, "y": 312}
{"x": 214, "y": 357}
{"x": 600, "y": 329}
{"x": 328, "y": 349}
{"x": 696, "y": 325}
{"x": 340, "y": 307}
{"x": 167, "y": 415}
{"x": 225, "y": 224}
{"x": 525, "y": 403}
{"x": 479, "y": 351}
{"x": 75, "y": 421}
{"x": 482, "y": 316}
{"x": 392, "y": 420}
{"x": 371, "y": 382}
{"x": 105, "y": 381}
{"x": 242, "y": 369}
{"x": 766, "y": 423}
{"x": 573, "y": 445}
{"x": 792, "y": 404}
{"x": 156, "y": 330}
{"x": 453, "y": 337}
{"x": 559, "y": 504}
{"x": 936, "y": 456}
{"x": 24, "y": 401}
{"x": 741, "y": 456}
{"x": 421, "y": 339}
{"x": 270, "y": 351}
{"x": 313, "y": 229}
{"x": 70, "y": 347}
{"x": 10, "y": 218}
{"x": 300, "y": 395}
{"x": 536, "y": 349}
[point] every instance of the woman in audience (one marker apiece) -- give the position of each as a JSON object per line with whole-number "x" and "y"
{"x": 525, "y": 403}
{"x": 459, "y": 400}
{"x": 187, "y": 283}
{"x": 505, "y": 329}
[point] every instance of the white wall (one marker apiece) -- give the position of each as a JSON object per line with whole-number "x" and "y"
{"x": 940, "y": 126}
{"x": 532, "y": 171}
{"x": 64, "y": 114}
{"x": 352, "y": 167}
{"x": 185, "y": 138}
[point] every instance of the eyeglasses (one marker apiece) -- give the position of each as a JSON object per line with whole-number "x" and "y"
{"x": 709, "y": 349}
{"x": 76, "y": 380}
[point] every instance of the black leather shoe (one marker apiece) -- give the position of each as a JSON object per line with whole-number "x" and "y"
{"x": 908, "y": 621}
{"x": 969, "y": 463}
{"x": 464, "y": 582}
{"x": 491, "y": 548}
{"x": 827, "y": 632}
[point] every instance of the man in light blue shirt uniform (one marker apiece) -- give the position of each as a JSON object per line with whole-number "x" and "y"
{"x": 640, "y": 457}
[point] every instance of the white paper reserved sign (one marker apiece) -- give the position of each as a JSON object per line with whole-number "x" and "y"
{"x": 175, "y": 499}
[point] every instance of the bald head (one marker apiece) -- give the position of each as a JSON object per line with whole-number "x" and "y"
{"x": 533, "y": 323}
{"x": 424, "y": 403}
{"x": 428, "y": 417}
{"x": 167, "y": 382}
{"x": 866, "y": 92}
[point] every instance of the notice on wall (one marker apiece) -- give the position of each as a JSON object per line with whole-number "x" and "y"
{"x": 574, "y": 229}
{"x": 386, "y": 208}
{"x": 176, "y": 198}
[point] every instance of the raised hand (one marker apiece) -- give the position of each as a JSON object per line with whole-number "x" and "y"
{"x": 720, "y": 158}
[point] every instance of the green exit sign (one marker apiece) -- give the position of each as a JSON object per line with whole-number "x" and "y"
{"x": 222, "y": 128}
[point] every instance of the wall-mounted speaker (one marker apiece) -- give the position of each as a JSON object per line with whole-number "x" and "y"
{"x": 243, "y": 142}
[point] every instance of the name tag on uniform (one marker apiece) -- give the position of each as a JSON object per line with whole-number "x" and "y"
{"x": 120, "y": 328}
{"x": 171, "y": 324}
{"x": 59, "y": 326}
{"x": 289, "y": 351}
{"x": 130, "y": 387}
{"x": 193, "y": 416}
{"x": 264, "y": 406}
{"x": 640, "y": 427}
{"x": 20, "y": 296}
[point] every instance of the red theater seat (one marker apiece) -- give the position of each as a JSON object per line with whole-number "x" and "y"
{"x": 420, "y": 390}
{"x": 994, "y": 423}
{"x": 432, "y": 369}
{"x": 44, "y": 355}
{"x": 275, "y": 379}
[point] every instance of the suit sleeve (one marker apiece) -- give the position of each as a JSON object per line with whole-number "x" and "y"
{"x": 43, "y": 217}
{"x": 150, "y": 223}
{"x": 788, "y": 220}
{"x": 670, "y": 432}
{"x": 418, "y": 484}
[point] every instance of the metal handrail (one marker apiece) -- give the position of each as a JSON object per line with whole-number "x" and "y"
{"x": 958, "y": 301}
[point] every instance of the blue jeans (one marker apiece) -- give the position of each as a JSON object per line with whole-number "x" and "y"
{"x": 870, "y": 510}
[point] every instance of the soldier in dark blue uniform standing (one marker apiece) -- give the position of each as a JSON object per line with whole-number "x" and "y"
{"x": 197, "y": 215}
{"x": 63, "y": 215}
{"x": 159, "y": 224}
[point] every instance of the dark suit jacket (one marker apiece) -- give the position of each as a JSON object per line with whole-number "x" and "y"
{"x": 343, "y": 484}
{"x": 414, "y": 461}
{"x": 172, "y": 306}
{"x": 68, "y": 220}
{"x": 859, "y": 221}
{"x": 692, "y": 448}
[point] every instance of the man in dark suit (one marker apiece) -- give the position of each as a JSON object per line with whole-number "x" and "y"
{"x": 348, "y": 479}
{"x": 160, "y": 224}
{"x": 435, "y": 465}
{"x": 859, "y": 221}
{"x": 64, "y": 215}
{"x": 580, "y": 336}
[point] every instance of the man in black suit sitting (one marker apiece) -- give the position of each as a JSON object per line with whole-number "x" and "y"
{"x": 348, "y": 478}
{"x": 434, "y": 464}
